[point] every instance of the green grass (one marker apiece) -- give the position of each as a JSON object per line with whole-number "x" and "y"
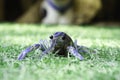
{"x": 105, "y": 65}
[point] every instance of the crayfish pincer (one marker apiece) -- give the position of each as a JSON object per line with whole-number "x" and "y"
{"x": 60, "y": 43}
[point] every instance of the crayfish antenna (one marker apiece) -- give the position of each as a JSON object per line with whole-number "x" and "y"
{"x": 74, "y": 52}
{"x": 23, "y": 54}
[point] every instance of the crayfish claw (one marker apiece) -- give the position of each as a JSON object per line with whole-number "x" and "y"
{"x": 75, "y": 53}
{"x": 23, "y": 54}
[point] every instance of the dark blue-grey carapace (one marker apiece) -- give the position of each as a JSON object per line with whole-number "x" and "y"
{"x": 60, "y": 43}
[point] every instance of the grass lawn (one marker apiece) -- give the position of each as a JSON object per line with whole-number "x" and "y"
{"x": 105, "y": 65}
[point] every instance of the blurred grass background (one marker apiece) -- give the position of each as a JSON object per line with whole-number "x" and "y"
{"x": 102, "y": 66}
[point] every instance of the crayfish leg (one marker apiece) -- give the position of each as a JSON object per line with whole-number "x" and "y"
{"x": 83, "y": 49}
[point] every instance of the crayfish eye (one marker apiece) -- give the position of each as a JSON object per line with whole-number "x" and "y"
{"x": 51, "y": 37}
{"x": 63, "y": 38}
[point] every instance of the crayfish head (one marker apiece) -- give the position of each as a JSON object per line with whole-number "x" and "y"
{"x": 61, "y": 40}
